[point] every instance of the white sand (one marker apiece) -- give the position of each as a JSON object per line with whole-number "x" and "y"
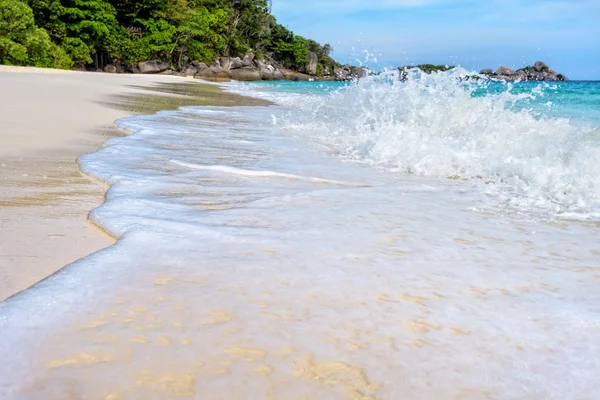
{"x": 47, "y": 119}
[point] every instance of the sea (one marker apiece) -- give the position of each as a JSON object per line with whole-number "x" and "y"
{"x": 430, "y": 238}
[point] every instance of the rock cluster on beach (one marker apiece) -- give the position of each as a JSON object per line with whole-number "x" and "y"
{"x": 249, "y": 68}
{"x": 538, "y": 72}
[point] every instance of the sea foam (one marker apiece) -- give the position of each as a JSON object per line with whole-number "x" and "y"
{"x": 508, "y": 136}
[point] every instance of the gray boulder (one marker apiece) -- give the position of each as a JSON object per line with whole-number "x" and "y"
{"x": 296, "y": 76}
{"x": 259, "y": 64}
{"x": 216, "y": 63}
{"x": 505, "y": 71}
{"x": 152, "y": 67}
{"x": 266, "y": 75}
{"x": 111, "y": 69}
{"x": 313, "y": 61}
{"x": 540, "y": 66}
{"x": 359, "y": 73}
{"x": 214, "y": 74}
{"x": 235, "y": 63}
{"x": 278, "y": 76}
{"x": 249, "y": 57}
{"x": 191, "y": 71}
{"x": 225, "y": 63}
{"x": 487, "y": 71}
{"x": 245, "y": 74}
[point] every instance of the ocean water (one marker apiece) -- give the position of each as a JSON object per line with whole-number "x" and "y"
{"x": 433, "y": 238}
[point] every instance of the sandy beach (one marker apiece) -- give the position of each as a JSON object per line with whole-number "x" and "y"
{"x": 49, "y": 118}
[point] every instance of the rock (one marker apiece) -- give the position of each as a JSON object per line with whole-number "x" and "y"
{"x": 167, "y": 72}
{"x": 260, "y": 65}
{"x": 561, "y": 77}
{"x": 249, "y": 57}
{"x": 214, "y": 74}
{"x": 296, "y": 76}
{"x": 359, "y": 73}
{"x": 313, "y": 61}
{"x": 266, "y": 75}
{"x": 487, "y": 71}
{"x": 236, "y": 63}
{"x": 341, "y": 74}
{"x": 540, "y": 66}
{"x": 197, "y": 64}
{"x": 135, "y": 70}
{"x": 111, "y": 69}
{"x": 191, "y": 71}
{"x": 278, "y": 76}
{"x": 216, "y": 63}
{"x": 505, "y": 71}
{"x": 245, "y": 74}
{"x": 225, "y": 63}
{"x": 152, "y": 67}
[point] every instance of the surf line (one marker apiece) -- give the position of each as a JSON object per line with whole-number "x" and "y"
{"x": 261, "y": 174}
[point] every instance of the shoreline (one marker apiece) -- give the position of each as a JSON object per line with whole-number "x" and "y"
{"x": 50, "y": 118}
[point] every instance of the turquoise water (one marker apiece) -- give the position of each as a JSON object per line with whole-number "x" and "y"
{"x": 577, "y": 100}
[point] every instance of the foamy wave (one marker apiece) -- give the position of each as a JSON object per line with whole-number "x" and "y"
{"x": 443, "y": 125}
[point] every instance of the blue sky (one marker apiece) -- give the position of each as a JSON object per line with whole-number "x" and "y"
{"x": 476, "y": 34}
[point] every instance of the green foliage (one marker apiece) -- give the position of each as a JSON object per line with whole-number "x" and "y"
{"x": 23, "y": 43}
{"x": 429, "y": 68}
{"x": 80, "y": 31}
{"x": 293, "y": 53}
{"x": 202, "y": 34}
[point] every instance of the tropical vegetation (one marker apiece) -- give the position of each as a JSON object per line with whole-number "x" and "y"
{"x": 84, "y": 33}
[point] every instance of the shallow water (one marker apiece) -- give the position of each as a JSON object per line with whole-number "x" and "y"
{"x": 255, "y": 261}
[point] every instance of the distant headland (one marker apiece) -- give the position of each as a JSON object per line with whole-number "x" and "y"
{"x": 538, "y": 72}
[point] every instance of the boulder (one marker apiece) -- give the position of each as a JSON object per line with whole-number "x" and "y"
{"x": 561, "y": 77}
{"x": 278, "y": 76}
{"x": 249, "y": 57}
{"x": 216, "y": 63}
{"x": 191, "y": 71}
{"x": 167, "y": 72}
{"x": 225, "y": 63}
{"x": 214, "y": 74}
{"x": 343, "y": 74}
{"x": 198, "y": 64}
{"x": 296, "y": 76}
{"x": 152, "y": 67}
{"x": 266, "y": 75}
{"x": 245, "y": 74}
{"x": 111, "y": 69}
{"x": 260, "y": 65}
{"x": 235, "y": 63}
{"x": 359, "y": 73}
{"x": 487, "y": 71}
{"x": 540, "y": 66}
{"x": 505, "y": 71}
{"x": 313, "y": 61}
{"x": 135, "y": 70}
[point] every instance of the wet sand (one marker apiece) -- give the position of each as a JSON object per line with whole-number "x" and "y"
{"x": 48, "y": 118}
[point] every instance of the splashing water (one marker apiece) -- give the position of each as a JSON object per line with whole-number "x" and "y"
{"x": 506, "y": 135}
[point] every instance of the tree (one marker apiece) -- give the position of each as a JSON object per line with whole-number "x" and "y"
{"x": 202, "y": 34}
{"x": 22, "y": 42}
{"x": 91, "y": 25}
